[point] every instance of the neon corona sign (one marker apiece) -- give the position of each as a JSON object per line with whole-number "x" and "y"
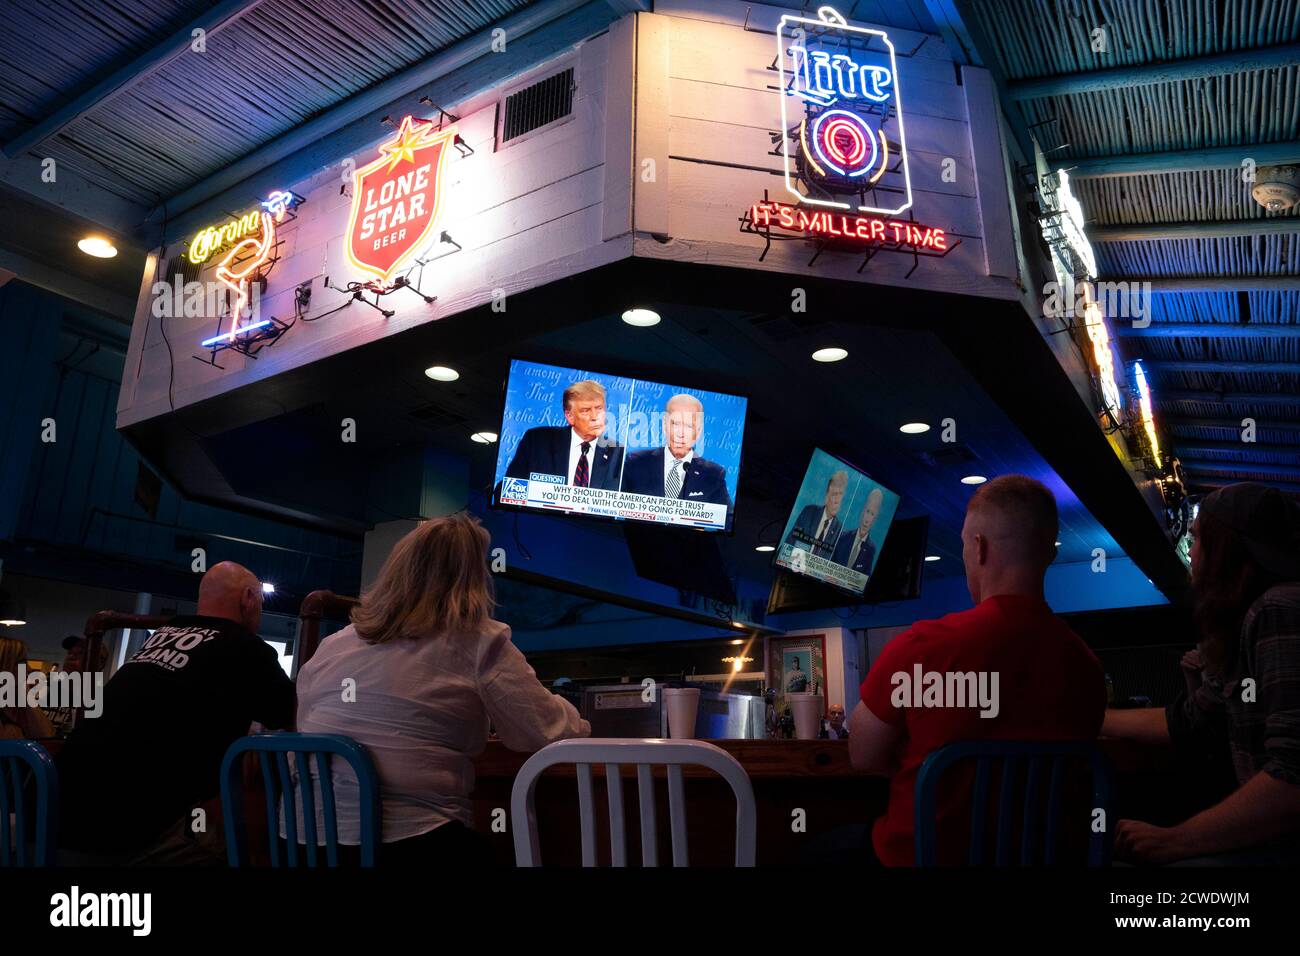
{"x": 847, "y": 226}
{"x": 1144, "y": 403}
{"x": 396, "y": 199}
{"x": 244, "y": 262}
{"x": 846, "y": 92}
{"x": 212, "y": 239}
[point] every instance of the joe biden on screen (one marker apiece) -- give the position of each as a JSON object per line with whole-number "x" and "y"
{"x": 675, "y": 471}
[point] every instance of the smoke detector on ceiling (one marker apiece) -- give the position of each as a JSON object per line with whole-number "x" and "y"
{"x": 1277, "y": 188}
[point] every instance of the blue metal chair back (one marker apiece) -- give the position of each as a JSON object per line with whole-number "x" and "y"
{"x": 280, "y": 793}
{"x": 1039, "y": 831}
{"x": 22, "y": 761}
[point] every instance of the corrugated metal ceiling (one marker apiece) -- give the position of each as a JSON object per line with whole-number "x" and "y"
{"x": 274, "y": 67}
{"x": 1048, "y": 38}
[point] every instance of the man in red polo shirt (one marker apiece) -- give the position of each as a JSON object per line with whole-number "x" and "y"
{"x": 1007, "y": 669}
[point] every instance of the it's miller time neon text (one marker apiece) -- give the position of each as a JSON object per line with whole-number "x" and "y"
{"x": 838, "y": 225}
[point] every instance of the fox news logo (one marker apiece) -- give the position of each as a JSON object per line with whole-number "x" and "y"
{"x": 514, "y": 491}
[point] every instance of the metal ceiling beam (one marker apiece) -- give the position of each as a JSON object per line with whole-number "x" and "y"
{"x": 1223, "y": 365}
{"x": 1239, "y": 447}
{"x": 211, "y": 22}
{"x": 1280, "y": 225}
{"x": 1208, "y": 284}
{"x": 1148, "y": 74}
{"x": 1212, "y": 484}
{"x": 64, "y": 283}
{"x": 372, "y": 99}
{"x": 1181, "y": 161}
{"x": 1234, "y": 424}
{"x": 1241, "y": 467}
{"x": 1208, "y": 330}
{"x": 1218, "y": 398}
{"x": 72, "y": 193}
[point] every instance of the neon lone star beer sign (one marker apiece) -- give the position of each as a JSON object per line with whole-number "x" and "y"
{"x": 396, "y": 199}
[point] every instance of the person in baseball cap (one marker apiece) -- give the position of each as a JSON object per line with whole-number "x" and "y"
{"x": 75, "y": 658}
{"x": 1246, "y": 584}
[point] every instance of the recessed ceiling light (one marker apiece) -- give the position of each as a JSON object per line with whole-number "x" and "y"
{"x": 484, "y": 438}
{"x": 914, "y": 428}
{"x": 97, "y": 246}
{"x": 11, "y": 622}
{"x": 737, "y": 624}
{"x": 832, "y": 354}
{"x": 766, "y": 547}
{"x": 974, "y": 480}
{"x": 736, "y": 642}
{"x": 932, "y": 557}
{"x": 441, "y": 373}
{"x": 641, "y": 318}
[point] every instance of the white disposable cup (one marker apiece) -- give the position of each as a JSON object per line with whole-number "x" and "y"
{"x": 683, "y": 704}
{"x": 807, "y": 711}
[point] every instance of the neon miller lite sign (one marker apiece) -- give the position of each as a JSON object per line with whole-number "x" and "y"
{"x": 844, "y": 144}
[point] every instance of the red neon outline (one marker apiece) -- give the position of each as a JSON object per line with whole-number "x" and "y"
{"x": 831, "y": 146}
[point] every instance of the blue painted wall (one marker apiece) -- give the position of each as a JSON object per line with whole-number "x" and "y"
{"x": 66, "y": 505}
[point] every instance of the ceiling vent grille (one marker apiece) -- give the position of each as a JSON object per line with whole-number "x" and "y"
{"x": 538, "y": 105}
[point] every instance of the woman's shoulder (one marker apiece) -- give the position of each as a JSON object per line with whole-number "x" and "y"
{"x": 331, "y": 647}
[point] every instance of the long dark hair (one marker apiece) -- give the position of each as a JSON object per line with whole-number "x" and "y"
{"x": 1226, "y": 581}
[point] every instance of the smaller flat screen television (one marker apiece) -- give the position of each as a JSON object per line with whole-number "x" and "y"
{"x": 837, "y": 526}
{"x": 586, "y": 442}
{"x": 897, "y": 576}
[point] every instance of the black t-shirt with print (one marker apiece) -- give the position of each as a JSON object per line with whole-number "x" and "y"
{"x": 169, "y": 715}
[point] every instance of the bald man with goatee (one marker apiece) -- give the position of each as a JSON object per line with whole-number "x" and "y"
{"x": 131, "y": 779}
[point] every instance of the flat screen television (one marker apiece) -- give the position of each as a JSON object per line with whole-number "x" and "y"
{"x": 837, "y": 526}
{"x": 585, "y": 442}
{"x": 897, "y": 576}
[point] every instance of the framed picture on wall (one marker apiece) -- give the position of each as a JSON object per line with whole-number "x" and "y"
{"x": 797, "y": 665}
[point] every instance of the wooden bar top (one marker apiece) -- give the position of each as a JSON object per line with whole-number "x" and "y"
{"x": 818, "y": 758}
{"x": 760, "y": 758}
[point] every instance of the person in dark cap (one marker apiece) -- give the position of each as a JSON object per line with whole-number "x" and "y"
{"x": 74, "y": 660}
{"x": 1246, "y": 585}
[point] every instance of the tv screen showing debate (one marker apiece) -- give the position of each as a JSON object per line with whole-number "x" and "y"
{"x": 578, "y": 441}
{"x": 837, "y": 525}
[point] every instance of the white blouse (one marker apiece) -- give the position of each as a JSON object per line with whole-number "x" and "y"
{"x": 421, "y": 708}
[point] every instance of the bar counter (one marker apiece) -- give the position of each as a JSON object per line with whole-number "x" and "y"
{"x": 814, "y": 776}
{"x": 787, "y": 775}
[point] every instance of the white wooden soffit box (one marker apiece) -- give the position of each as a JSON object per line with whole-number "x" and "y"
{"x": 670, "y": 130}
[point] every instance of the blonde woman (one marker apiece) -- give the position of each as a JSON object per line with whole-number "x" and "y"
{"x": 431, "y": 669}
{"x": 23, "y": 722}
